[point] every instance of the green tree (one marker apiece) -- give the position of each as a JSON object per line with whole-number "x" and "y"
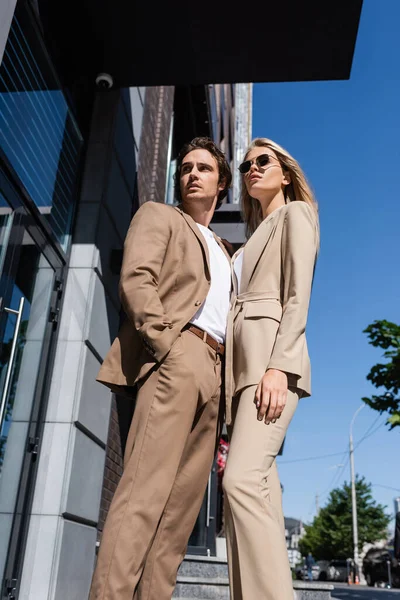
{"x": 386, "y": 335}
{"x": 330, "y": 535}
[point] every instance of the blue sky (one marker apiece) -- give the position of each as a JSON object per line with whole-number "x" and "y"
{"x": 345, "y": 134}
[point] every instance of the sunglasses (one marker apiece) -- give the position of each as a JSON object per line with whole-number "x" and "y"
{"x": 261, "y": 161}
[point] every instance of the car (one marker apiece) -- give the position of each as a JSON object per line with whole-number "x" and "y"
{"x": 376, "y": 566}
{"x": 298, "y": 572}
{"x": 325, "y": 570}
{"x": 337, "y": 570}
{"x": 323, "y": 566}
{"x": 322, "y": 571}
{"x": 302, "y": 573}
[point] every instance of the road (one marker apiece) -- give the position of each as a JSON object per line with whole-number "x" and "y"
{"x": 361, "y": 592}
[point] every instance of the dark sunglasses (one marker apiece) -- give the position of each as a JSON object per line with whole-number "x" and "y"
{"x": 261, "y": 161}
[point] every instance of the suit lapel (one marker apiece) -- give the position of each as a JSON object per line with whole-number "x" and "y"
{"x": 256, "y": 245}
{"x": 196, "y": 231}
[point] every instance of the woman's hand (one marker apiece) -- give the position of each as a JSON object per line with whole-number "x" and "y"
{"x": 271, "y": 395}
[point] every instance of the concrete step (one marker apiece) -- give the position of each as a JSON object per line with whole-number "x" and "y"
{"x": 202, "y": 577}
{"x": 206, "y": 578}
{"x": 195, "y": 587}
{"x": 203, "y": 566}
{"x": 216, "y": 590}
{"x": 312, "y": 591}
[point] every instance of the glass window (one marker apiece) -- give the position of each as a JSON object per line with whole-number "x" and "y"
{"x": 39, "y": 136}
{"x": 213, "y": 111}
{"x": 22, "y": 335}
{"x": 5, "y": 226}
{"x": 170, "y": 188}
{"x": 171, "y": 167}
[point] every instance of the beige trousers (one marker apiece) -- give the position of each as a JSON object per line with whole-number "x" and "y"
{"x": 168, "y": 458}
{"x": 255, "y": 532}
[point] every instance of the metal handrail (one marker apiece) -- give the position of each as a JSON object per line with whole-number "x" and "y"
{"x": 7, "y": 382}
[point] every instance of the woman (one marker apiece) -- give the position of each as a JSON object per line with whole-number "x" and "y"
{"x": 268, "y": 367}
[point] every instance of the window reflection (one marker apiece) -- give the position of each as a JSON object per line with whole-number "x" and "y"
{"x": 38, "y": 133}
{"x": 5, "y": 227}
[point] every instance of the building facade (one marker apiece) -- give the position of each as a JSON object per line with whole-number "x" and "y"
{"x": 72, "y": 177}
{"x": 396, "y": 505}
{"x": 294, "y": 531}
{"x": 78, "y": 156}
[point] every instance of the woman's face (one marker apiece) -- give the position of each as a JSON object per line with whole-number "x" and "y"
{"x": 265, "y": 181}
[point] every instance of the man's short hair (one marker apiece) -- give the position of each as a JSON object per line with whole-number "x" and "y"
{"x": 204, "y": 143}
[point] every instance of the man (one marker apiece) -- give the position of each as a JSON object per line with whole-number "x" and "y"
{"x": 310, "y": 562}
{"x": 397, "y": 537}
{"x": 175, "y": 287}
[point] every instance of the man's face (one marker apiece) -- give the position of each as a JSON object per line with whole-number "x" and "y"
{"x": 199, "y": 176}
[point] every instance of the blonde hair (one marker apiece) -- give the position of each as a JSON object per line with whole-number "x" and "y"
{"x": 297, "y": 190}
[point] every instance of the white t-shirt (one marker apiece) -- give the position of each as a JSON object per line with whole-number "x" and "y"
{"x": 213, "y": 313}
{"x": 237, "y": 267}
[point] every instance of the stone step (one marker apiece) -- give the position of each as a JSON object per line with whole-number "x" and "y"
{"x": 312, "y": 591}
{"x": 203, "y": 566}
{"x": 202, "y": 577}
{"x": 196, "y": 587}
{"x": 206, "y": 578}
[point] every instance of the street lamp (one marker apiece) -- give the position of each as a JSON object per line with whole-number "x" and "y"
{"x": 354, "y": 496}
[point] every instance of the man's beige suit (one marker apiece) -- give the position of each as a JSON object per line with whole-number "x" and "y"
{"x": 266, "y": 330}
{"x": 165, "y": 277}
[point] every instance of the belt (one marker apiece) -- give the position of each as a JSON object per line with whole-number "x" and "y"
{"x": 207, "y": 338}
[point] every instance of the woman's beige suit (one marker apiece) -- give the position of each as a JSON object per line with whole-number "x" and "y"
{"x": 266, "y": 330}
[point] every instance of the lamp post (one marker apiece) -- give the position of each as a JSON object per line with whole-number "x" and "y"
{"x": 354, "y": 496}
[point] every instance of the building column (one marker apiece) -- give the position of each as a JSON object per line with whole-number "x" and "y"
{"x": 62, "y": 537}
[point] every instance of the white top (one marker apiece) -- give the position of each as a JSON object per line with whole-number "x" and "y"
{"x": 237, "y": 267}
{"x": 213, "y": 313}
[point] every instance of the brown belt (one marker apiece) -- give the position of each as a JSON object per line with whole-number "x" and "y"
{"x": 207, "y": 338}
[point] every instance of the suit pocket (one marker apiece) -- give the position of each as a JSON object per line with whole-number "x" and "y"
{"x": 254, "y": 339}
{"x": 263, "y": 309}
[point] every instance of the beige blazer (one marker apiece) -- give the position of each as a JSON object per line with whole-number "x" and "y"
{"x": 165, "y": 277}
{"x": 267, "y": 319}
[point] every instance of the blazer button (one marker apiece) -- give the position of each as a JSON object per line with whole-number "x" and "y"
{"x": 197, "y": 303}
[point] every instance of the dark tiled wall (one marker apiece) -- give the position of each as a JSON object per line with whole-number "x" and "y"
{"x": 113, "y": 466}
